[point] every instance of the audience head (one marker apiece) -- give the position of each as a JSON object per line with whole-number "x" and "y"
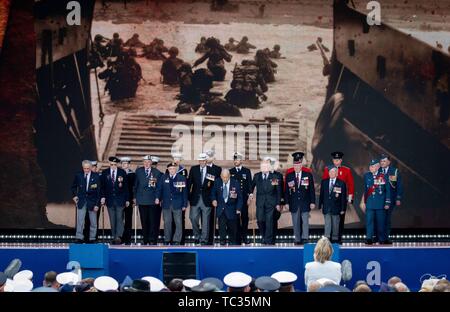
{"x": 176, "y": 285}
{"x": 323, "y": 250}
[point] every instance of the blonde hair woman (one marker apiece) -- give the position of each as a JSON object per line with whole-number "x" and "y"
{"x": 322, "y": 269}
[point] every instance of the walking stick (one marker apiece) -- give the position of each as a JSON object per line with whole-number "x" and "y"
{"x": 214, "y": 227}
{"x": 103, "y": 221}
{"x": 135, "y": 223}
{"x": 76, "y": 217}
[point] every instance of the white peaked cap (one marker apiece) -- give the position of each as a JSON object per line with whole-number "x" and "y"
{"x": 106, "y": 283}
{"x": 285, "y": 277}
{"x": 155, "y": 284}
{"x": 25, "y": 274}
{"x": 67, "y": 278}
{"x": 237, "y": 280}
{"x": 189, "y": 283}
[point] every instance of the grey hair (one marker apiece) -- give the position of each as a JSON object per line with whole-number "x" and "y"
{"x": 225, "y": 171}
{"x": 86, "y": 162}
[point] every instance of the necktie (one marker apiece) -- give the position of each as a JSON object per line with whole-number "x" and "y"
{"x": 225, "y": 192}
{"x": 113, "y": 177}
{"x": 147, "y": 172}
{"x": 203, "y": 174}
{"x": 298, "y": 179}
{"x": 238, "y": 169}
{"x": 331, "y": 185}
{"x": 87, "y": 181}
{"x": 264, "y": 176}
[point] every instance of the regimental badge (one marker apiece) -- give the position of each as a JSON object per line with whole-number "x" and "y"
{"x": 120, "y": 178}
{"x": 93, "y": 186}
{"x": 244, "y": 176}
{"x": 274, "y": 181}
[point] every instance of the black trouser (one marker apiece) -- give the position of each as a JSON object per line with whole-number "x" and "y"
{"x": 157, "y": 225}
{"x": 265, "y": 226}
{"x": 276, "y": 217}
{"x": 149, "y": 219}
{"x": 183, "y": 236}
{"x": 243, "y": 224}
{"x": 341, "y": 226}
{"x": 127, "y": 229}
{"x": 227, "y": 226}
{"x": 212, "y": 228}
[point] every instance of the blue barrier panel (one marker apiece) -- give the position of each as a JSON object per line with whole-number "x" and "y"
{"x": 93, "y": 258}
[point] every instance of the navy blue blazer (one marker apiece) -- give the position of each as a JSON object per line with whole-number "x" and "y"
{"x": 300, "y": 196}
{"x": 268, "y": 194}
{"x": 91, "y": 197}
{"x": 172, "y": 193}
{"x": 195, "y": 187}
{"x": 115, "y": 193}
{"x": 235, "y": 200}
{"x": 245, "y": 178}
{"x": 333, "y": 202}
{"x": 145, "y": 187}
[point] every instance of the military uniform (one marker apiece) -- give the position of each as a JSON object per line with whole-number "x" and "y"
{"x": 244, "y": 176}
{"x": 299, "y": 194}
{"x": 377, "y": 195}
{"x": 344, "y": 174}
{"x": 395, "y": 185}
{"x": 114, "y": 189}
{"x": 173, "y": 195}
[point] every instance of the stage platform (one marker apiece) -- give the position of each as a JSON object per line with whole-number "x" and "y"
{"x": 375, "y": 263}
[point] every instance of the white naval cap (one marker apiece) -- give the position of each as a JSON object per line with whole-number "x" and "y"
{"x": 325, "y": 281}
{"x": 189, "y": 283}
{"x": 155, "y": 159}
{"x": 125, "y": 159}
{"x": 177, "y": 155}
{"x": 210, "y": 153}
{"x": 237, "y": 280}
{"x": 285, "y": 277}
{"x": 24, "y": 274}
{"x": 238, "y": 156}
{"x": 67, "y": 278}
{"x": 9, "y": 285}
{"x": 202, "y": 156}
{"x": 147, "y": 157}
{"x": 155, "y": 284}
{"x": 94, "y": 163}
{"x": 106, "y": 283}
{"x": 22, "y": 285}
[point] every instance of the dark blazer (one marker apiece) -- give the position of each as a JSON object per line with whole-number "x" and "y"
{"x": 300, "y": 197}
{"x": 145, "y": 187}
{"x": 234, "y": 202}
{"x": 91, "y": 197}
{"x": 172, "y": 192}
{"x": 195, "y": 187}
{"x": 333, "y": 202}
{"x": 245, "y": 180}
{"x": 268, "y": 193}
{"x": 217, "y": 170}
{"x": 115, "y": 193}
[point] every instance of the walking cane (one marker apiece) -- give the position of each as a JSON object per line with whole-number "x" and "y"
{"x": 214, "y": 227}
{"x": 135, "y": 223}
{"x": 103, "y": 221}
{"x": 76, "y": 217}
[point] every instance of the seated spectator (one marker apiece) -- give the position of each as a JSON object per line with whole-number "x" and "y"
{"x": 442, "y": 285}
{"x": 362, "y": 288}
{"x": 394, "y": 280}
{"x": 50, "y": 284}
{"x": 322, "y": 267}
{"x": 401, "y": 287}
{"x": 314, "y": 286}
{"x": 176, "y": 285}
